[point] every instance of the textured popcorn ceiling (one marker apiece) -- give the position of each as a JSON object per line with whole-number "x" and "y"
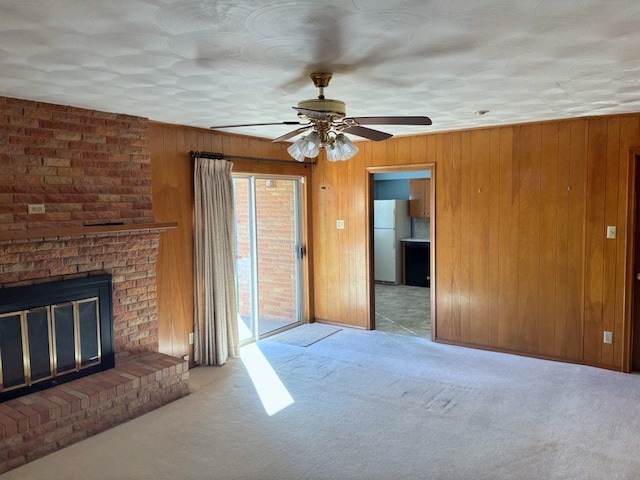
{"x": 213, "y": 62}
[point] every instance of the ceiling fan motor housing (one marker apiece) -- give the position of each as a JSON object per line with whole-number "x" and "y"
{"x": 325, "y": 105}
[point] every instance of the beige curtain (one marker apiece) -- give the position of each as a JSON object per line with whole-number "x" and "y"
{"x": 216, "y": 326}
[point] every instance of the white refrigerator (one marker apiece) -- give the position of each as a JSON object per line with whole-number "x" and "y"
{"x": 391, "y": 223}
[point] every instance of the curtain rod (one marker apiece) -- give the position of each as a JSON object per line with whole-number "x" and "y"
{"x": 222, "y": 156}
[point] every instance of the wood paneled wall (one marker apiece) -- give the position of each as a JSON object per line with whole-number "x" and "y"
{"x": 172, "y": 189}
{"x": 523, "y": 263}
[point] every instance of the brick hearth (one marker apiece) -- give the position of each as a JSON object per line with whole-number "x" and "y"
{"x": 40, "y": 423}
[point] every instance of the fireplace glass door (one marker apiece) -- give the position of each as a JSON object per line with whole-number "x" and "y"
{"x": 54, "y": 332}
{"x": 44, "y": 342}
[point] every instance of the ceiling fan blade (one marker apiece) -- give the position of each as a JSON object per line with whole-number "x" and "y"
{"x": 392, "y": 120}
{"x": 292, "y": 134}
{"x": 256, "y": 124}
{"x": 313, "y": 113}
{"x": 370, "y": 133}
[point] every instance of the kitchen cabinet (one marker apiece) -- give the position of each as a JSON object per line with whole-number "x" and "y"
{"x": 420, "y": 198}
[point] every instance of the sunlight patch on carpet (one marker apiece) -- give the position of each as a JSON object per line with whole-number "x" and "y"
{"x": 272, "y": 392}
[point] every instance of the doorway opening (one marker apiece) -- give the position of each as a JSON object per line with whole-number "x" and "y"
{"x": 402, "y": 233}
{"x": 269, "y": 252}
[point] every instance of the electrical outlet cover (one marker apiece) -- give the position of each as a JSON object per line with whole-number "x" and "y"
{"x": 36, "y": 208}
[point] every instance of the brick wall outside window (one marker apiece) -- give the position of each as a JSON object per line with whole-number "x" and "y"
{"x": 276, "y": 254}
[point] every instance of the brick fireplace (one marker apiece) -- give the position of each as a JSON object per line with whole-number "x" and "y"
{"x": 91, "y": 172}
{"x": 130, "y": 259}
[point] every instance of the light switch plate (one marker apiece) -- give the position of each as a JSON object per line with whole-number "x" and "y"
{"x": 611, "y": 231}
{"x": 607, "y": 337}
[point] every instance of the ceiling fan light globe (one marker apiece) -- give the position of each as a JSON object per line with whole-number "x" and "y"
{"x": 345, "y": 146}
{"x": 313, "y": 152}
{"x": 333, "y": 154}
{"x": 299, "y": 156}
{"x": 298, "y": 149}
{"x": 313, "y": 145}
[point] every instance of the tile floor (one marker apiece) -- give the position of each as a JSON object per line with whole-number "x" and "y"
{"x": 403, "y": 309}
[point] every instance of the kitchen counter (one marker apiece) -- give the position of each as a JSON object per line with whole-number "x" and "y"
{"x": 417, "y": 240}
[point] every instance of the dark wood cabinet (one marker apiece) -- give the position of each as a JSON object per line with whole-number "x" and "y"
{"x": 419, "y": 198}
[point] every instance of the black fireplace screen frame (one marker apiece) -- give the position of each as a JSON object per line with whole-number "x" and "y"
{"x": 30, "y": 297}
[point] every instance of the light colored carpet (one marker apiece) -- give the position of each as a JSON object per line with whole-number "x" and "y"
{"x": 370, "y": 405}
{"x": 305, "y": 335}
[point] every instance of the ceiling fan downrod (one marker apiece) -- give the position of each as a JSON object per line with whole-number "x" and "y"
{"x": 321, "y": 80}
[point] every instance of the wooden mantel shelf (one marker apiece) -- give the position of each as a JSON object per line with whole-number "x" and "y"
{"x": 84, "y": 230}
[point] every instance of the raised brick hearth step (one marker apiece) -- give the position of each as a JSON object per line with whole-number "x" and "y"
{"x": 40, "y": 423}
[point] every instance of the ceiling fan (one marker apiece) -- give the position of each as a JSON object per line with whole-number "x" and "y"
{"x": 327, "y": 120}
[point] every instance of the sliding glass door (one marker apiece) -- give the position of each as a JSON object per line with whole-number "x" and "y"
{"x": 269, "y": 254}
